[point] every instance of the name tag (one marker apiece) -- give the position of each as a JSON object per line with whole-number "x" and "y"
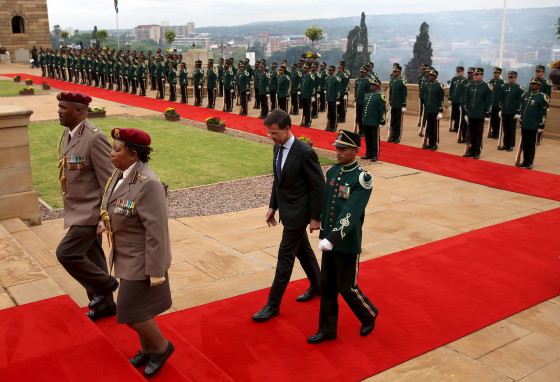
{"x": 124, "y": 207}
{"x": 72, "y": 162}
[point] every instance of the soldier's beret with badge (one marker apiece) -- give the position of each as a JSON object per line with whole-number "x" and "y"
{"x": 459, "y": 69}
{"x": 536, "y": 81}
{"x": 313, "y": 65}
{"x": 497, "y": 70}
{"x": 511, "y": 73}
{"x": 347, "y": 138}
{"x": 540, "y": 68}
{"x": 331, "y": 67}
{"x": 76, "y": 97}
{"x": 133, "y": 136}
{"x": 478, "y": 70}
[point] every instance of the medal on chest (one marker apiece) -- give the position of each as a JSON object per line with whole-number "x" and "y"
{"x": 124, "y": 207}
{"x": 344, "y": 191}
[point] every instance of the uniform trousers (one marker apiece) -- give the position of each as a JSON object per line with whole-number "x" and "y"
{"x": 494, "y": 121}
{"x": 322, "y": 101}
{"x": 211, "y": 97}
{"x": 295, "y": 104}
{"x": 463, "y": 126}
{"x": 197, "y": 95}
{"x": 172, "y": 92}
{"x": 331, "y": 116}
{"x": 243, "y": 101}
{"x": 474, "y": 135}
{"x": 264, "y": 104}
{"x": 160, "y": 88}
{"x": 126, "y": 84}
{"x": 422, "y": 112}
{"x": 63, "y": 73}
{"x": 306, "y": 110}
{"x": 70, "y": 70}
{"x": 295, "y": 243}
{"x": 432, "y": 129}
{"x": 183, "y": 93}
{"x": 153, "y": 87}
{"x": 339, "y": 274}
{"x": 228, "y": 99}
{"x": 341, "y": 110}
{"x": 81, "y": 254}
{"x": 43, "y": 70}
{"x": 119, "y": 83}
{"x": 134, "y": 85}
{"x": 359, "y": 123}
{"x": 455, "y": 116}
{"x": 509, "y": 123}
{"x": 142, "y": 84}
{"x": 396, "y": 121}
{"x": 257, "y": 99}
{"x": 273, "y": 100}
{"x": 283, "y": 103}
{"x": 315, "y": 107}
{"x": 528, "y": 143}
{"x": 371, "y": 134}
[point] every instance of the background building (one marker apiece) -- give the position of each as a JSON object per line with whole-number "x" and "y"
{"x": 144, "y": 32}
{"x": 23, "y": 24}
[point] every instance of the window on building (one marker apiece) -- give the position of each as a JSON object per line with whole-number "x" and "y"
{"x": 18, "y": 24}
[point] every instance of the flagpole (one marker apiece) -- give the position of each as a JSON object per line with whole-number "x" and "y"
{"x": 118, "y": 34}
{"x": 500, "y": 62}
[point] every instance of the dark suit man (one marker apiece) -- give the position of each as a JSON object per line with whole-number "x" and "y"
{"x": 297, "y": 191}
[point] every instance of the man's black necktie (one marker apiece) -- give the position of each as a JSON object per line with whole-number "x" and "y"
{"x": 279, "y": 162}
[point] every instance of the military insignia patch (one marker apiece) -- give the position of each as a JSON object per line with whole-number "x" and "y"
{"x": 116, "y": 133}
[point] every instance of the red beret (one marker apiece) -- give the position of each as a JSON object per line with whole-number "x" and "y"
{"x": 133, "y": 136}
{"x": 77, "y": 97}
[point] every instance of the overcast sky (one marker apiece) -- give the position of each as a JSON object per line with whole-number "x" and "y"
{"x": 84, "y": 15}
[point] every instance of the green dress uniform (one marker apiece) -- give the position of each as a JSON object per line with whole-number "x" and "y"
{"x": 221, "y": 79}
{"x": 510, "y": 104}
{"x": 198, "y": 79}
{"x": 283, "y": 87}
{"x": 534, "y": 109}
{"x": 345, "y": 83}
{"x": 263, "y": 80}
{"x": 183, "y": 83}
{"x": 229, "y": 88}
{"x": 433, "y": 104}
{"x": 347, "y": 194}
{"x": 478, "y": 99}
{"x": 373, "y": 116}
{"x": 172, "y": 79}
{"x": 159, "y": 80}
{"x": 256, "y": 75}
{"x": 243, "y": 84}
{"x": 333, "y": 87}
{"x": 455, "y": 95}
{"x": 295, "y": 91}
{"x": 140, "y": 77}
{"x": 307, "y": 91}
{"x": 361, "y": 88}
{"x": 397, "y": 100}
{"x": 117, "y": 72}
{"x": 422, "y": 80}
{"x": 212, "y": 82}
{"x": 152, "y": 69}
{"x": 322, "y": 74}
{"x": 495, "y": 119}
{"x": 273, "y": 88}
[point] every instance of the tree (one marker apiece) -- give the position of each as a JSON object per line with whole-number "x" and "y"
{"x": 169, "y": 36}
{"x": 314, "y": 33}
{"x": 64, "y": 35}
{"x": 354, "y": 59}
{"x": 421, "y": 54}
{"x": 102, "y": 35}
{"x": 558, "y": 28}
{"x": 258, "y": 49}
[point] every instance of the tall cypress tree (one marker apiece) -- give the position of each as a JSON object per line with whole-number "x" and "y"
{"x": 422, "y": 54}
{"x": 354, "y": 59}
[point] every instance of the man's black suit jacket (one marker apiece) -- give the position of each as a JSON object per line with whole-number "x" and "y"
{"x": 299, "y": 195}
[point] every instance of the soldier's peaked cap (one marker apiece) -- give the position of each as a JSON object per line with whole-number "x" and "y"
{"x": 347, "y": 138}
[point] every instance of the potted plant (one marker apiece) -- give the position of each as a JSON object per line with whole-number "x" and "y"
{"x": 215, "y": 124}
{"x": 46, "y": 86}
{"x": 97, "y": 112}
{"x": 17, "y": 79}
{"x": 27, "y": 91}
{"x": 171, "y": 114}
{"x": 305, "y": 139}
{"x": 554, "y": 74}
{"x": 28, "y": 81}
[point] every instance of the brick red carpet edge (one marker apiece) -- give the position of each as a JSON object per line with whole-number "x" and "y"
{"x": 510, "y": 178}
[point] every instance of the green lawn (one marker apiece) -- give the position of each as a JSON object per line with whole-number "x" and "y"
{"x": 11, "y": 89}
{"x": 183, "y": 156}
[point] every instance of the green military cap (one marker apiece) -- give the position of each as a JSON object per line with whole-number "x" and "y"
{"x": 331, "y": 67}
{"x": 300, "y": 60}
{"x": 497, "y": 70}
{"x": 470, "y": 70}
{"x": 478, "y": 71}
{"x": 397, "y": 67}
{"x": 305, "y": 66}
{"x": 241, "y": 64}
{"x": 347, "y": 138}
{"x": 540, "y": 68}
{"x": 313, "y": 65}
{"x": 323, "y": 64}
{"x": 246, "y": 60}
{"x": 294, "y": 65}
{"x": 341, "y": 66}
{"x": 363, "y": 69}
{"x": 536, "y": 81}
{"x": 221, "y": 59}
{"x": 374, "y": 81}
{"x": 459, "y": 69}
{"x": 511, "y": 73}
{"x": 196, "y": 62}
{"x": 432, "y": 71}
{"x": 283, "y": 68}
{"x": 274, "y": 64}
{"x": 370, "y": 64}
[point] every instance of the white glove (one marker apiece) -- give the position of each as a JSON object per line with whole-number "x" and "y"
{"x": 500, "y": 114}
{"x": 231, "y": 91}
{"x": 200, "y": 86}
{"x": 312, "y": 99}
{"x": 338, "y": 102}
{"x": 298, "y": 92}
{"x": 345, "y": 96}
{"x": 325, "y": 245}
{"x": 486, "y": 119}
{"x": 154, "y": 280}
{"x": 439, "y": 115}
{"x": 268, "y": 96}
{"x": 403, "y": 109}
{"x": 517, "y": 116}
{"x": 248, "y": 93}
{"x": 324, "y": 91}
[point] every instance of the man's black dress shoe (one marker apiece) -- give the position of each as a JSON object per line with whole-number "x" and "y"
{"x": 366, "y": 157}
{"x": 432, "y": 148}
{"x": 522, "y": 164}
{"x": 320, "y": 337}
{"x": 468, "y": 155}
{"x": 502, "y": 148}
{"x": 396, "y": 140}
{"x": 368, "y": 328}
{"x": 509, "y": 149}
{"x": 104, "y": 292}
{"x": 529, "y": 167}
{"x": 266, "y": 313}
{"x": 308, "y": 295}
{"x": 140, "y": 359}
{"x": 461, "y": 141}
{"x": 157, "y": 360}
{"x": 476, "y": 157}
{"x": 374, "y": 159}
{"x": 95, "y": 315}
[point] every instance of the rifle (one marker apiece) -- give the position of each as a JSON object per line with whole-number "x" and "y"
{"x": 389, "y": 130}
{"x": 501, "y": 133}
{"x": 328, "y": 126}
{"x": 402, "y": 125}
{"x": 355, "y": 118}
{"x": 421, "y": 131}
{"x": 460, "y": 124}
{"x": 450, "y": 119}
{"x": 489, "y": 133}
{"x": 419, "y": 112}
{"x": 519, "y": 151}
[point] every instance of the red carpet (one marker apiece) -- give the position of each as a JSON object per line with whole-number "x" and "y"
{"x": 490, "y": 174}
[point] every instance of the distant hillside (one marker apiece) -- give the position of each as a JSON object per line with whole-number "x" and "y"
{"x": 526, "y": 27}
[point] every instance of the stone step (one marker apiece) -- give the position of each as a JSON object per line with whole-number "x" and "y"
{"x": 22, "y": 278}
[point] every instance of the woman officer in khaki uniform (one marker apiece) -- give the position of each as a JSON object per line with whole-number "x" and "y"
{"x": 134, "y": 213}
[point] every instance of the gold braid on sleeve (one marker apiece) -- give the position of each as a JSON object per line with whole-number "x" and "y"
{"x": 60, "y": 164}
{"x": 105, "y": 218}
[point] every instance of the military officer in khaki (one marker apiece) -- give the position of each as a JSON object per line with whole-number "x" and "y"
{"x": 84, "y": 163}
{"x": 347, "y": 194}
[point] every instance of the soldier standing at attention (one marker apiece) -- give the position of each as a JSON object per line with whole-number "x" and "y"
{"x": 397, "y": 100}
{"x": 361, "y": 88}
{"x": 152, "y": 69}
{"x": 212, "y": 82}
{"x": 546, "y": 88}
{"x": 159, "y": 78}
{"x": 333, "y": 87}
{"x": 197, "y": 83}
{"x": 183, "y": 82}
{"x": 534, "y": 108}
{"x": 141, "y": 76}
{"x": 84, "y": 162}
{"x": 283, "y": 88}
{"x": 323, "y": 92}
{"x": 295, "y": 89}
{"x": 273, "y": 86}
{"x": 307, "y": 95}
{"x": 133, "y": 76}
{"x": 422, "y": 79}
{"x": 264, "y": 90}
{"x": 221, "y": 77}
{"x": 495, "y": 116}
{"x": 433, "y": 105}
{"x": 455, "y": 91}
{"x": 243, "y": 83}
{"x": 344, "y": 80}
{"x": 373, "y": 116}
{"x": 172, "y": 79}
{"x": 462, "y": 134}
{"x": 347, "y": 194}
{"x": 510, "y": 103}
{"x": 316, "y": 86}
{"x": 478, "y": 99}
{"x": 228, "y": 87}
